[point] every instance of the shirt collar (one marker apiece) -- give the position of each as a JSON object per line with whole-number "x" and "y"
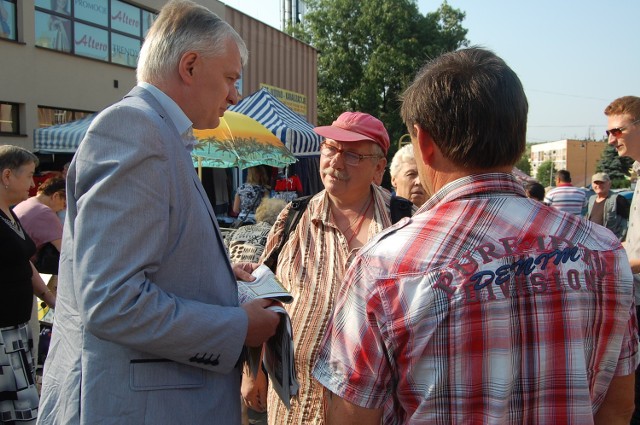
{"x": 179, "y": 119}
{"x": 476, "y": 185}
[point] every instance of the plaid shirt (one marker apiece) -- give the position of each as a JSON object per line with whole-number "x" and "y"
{"x": 484, "y": 307}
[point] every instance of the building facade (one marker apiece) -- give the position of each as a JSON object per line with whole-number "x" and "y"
{"x": 65, "y": 59}
{"x": 579, "y": 157}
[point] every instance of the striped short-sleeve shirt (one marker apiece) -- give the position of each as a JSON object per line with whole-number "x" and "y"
{"x": 567, "y": 198}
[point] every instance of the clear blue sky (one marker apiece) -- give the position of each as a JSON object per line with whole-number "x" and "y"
{"x": 573, "y": 56}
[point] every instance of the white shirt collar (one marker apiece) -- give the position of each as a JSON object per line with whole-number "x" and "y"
{"x": 178, "y": 117}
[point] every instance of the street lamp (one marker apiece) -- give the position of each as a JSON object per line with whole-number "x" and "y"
{"x": 585, "y": 145}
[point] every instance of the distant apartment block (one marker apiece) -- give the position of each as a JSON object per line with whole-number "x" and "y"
{"x": 579, "y": 157}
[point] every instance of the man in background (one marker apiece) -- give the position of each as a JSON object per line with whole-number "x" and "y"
{"x": 623, "y": 123}
{"x": 475, "y": 309}
{"x": 606, "y": 208}
{"x": 147, "y": 328}
{"x": 534, "y": 190}
{"x": 565, "y": 196}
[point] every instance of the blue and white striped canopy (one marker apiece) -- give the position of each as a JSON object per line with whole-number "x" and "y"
{"x": 62, "y": 138}
{"x": 294, "y": 131}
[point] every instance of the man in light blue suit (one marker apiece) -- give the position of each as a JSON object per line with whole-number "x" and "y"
{"x": 148, "y": 329}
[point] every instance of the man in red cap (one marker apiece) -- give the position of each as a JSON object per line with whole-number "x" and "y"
{"x": 336, "y": 223}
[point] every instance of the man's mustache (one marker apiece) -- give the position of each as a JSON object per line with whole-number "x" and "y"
{"x": 336, "y": 174}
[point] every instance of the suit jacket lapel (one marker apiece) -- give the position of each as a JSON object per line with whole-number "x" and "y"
{"x": 182, "y": 153}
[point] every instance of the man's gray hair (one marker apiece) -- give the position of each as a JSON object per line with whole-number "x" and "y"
{"x": 183, "y": 26}
{"x": 405, "y": 154}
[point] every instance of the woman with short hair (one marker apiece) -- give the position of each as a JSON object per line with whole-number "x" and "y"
{"x": 20, "y": 280}
{"x": 404, "y": 176}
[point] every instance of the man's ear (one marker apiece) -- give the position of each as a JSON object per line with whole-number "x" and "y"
{"x": 425, "y": 143}
{"x": 187, "y": 65}
{"x": 381, "y": 166}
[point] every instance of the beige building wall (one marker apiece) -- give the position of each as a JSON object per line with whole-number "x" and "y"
{"x": 32, "y": 76}
{"x": 579, "y": 157}
{"x": 277, "y": 59}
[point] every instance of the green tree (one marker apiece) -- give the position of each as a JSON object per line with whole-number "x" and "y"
{"x": 523, "y": 163}
{"x": 369, "y": 50}
{"x": 617, "y": 167}
{"x": 545, "y": 173}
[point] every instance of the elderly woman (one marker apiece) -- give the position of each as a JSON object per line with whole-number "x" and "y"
{"x": 247, "y": 242}
{"x": 20, "y": 281}
{"x": 249, "y": 194}
{"x": 404, "y": 176}
{"x": 38, "y": 214}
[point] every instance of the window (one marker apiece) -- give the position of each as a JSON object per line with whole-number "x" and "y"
{"x": 48, "y": 116}
{"x": 9, "y": 122}
{"x": 8, "y": 19}
{"x": 107, "y": 30}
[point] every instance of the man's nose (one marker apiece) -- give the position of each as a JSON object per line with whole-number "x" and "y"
{"x": 233, "y": 96}
{"x": 337, "y": 161}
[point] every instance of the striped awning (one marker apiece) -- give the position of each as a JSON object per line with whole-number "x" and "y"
{"x": 62, "y": 138}
{"x": 294, "y": 131}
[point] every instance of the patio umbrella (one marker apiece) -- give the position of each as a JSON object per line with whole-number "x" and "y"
{"x": 239, "y": 141}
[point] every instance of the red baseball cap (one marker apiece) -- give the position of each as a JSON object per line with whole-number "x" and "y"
{"x": 354, "y": 127}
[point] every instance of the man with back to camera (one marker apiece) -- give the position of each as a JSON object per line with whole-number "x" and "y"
{"x": 623, "y": 123}
{"x": 565, "y": 196}
{"x": 148, "y": 328}
{"x": 606, "y": 208}
{"x": 474, "y": 310}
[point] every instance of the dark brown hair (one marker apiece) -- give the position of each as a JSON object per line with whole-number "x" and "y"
{"x": 53, "y": 185}
{"x": 473, "y": 106}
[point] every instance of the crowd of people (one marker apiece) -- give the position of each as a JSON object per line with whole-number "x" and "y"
{"x": 461, "y": 296}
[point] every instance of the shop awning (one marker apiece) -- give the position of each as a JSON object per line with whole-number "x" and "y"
{"x": 61, "y": 138}
{"x": 294, "y": 131}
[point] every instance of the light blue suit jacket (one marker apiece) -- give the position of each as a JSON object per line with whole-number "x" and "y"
{"x": 147, "y": 328}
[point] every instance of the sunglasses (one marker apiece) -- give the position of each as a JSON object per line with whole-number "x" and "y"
{"x": 616, "y": 132}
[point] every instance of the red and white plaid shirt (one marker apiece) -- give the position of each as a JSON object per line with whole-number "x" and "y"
{"x": 484, "y": 307}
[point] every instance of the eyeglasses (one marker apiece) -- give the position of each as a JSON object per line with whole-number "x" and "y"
{"x": 616, "y": 132}
{"x": 350, "y": 158}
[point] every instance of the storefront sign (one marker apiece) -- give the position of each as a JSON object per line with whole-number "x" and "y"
{"x": 91, "y": 42}
{"x": 125, "y": 18}
{"x": 124, "y": 50}
{"x": 296, "y": 101}
{"x": 95, "y": 11}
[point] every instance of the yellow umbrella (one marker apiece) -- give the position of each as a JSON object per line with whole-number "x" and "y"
{"x": 239, "y": 141}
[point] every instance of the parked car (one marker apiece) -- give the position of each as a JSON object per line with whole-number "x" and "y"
{"x": 628, "y": 194}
